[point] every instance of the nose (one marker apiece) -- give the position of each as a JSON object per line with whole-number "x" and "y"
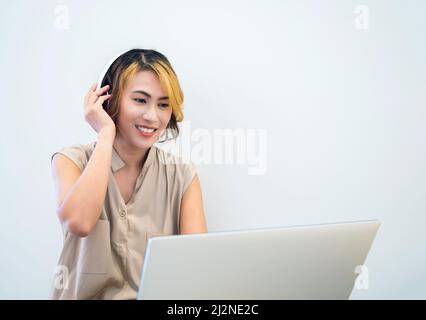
{"x": 150, "y": 113}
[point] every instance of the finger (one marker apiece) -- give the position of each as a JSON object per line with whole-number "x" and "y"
{"x": 95, "y": 95}
{"x": 100, "y": 91}
{"x": 102, "y": 99}
{"x": 91, "y": 89}
{"x": 105, "y": 97}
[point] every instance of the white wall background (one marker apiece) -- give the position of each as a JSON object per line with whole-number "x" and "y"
{"x": 344, "y": 110}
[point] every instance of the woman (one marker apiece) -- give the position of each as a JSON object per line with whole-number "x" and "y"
{"x": 115, "y": 193}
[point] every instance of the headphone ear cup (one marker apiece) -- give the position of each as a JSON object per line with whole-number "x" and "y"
{"x": 107, "y": 81}
{"x": 106, "y": 104}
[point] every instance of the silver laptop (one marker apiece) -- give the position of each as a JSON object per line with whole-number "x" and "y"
{"x": 302, "y": 262}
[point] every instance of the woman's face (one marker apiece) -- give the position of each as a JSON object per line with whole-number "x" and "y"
{"x": 144, "y": 110}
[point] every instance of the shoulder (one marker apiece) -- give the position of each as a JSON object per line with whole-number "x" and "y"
{"x": 79, "y": 153}
{"x": 183, "y": 169}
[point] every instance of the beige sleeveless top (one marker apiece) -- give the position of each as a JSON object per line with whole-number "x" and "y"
{"x": 107, "y": 264}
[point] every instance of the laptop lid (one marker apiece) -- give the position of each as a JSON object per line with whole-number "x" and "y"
{"x": 301, "y": 262}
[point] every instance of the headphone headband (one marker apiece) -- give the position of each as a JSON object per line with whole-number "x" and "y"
{"x": 108, "y": 65}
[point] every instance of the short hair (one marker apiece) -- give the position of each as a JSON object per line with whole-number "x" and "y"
{"x": 133, "y": 61}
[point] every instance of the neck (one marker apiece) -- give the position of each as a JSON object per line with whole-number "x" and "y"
{"x": 132, "y": 156}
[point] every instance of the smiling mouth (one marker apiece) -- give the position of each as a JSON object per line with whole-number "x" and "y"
{"x": 145, "y": 129}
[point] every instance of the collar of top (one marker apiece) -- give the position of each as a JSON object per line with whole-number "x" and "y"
{"x": 117, "y": 163}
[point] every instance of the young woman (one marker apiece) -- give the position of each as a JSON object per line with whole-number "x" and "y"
{"x": 115, "y": 193}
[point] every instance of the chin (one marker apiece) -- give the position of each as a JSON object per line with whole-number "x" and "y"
{"x": 144, "y": 144}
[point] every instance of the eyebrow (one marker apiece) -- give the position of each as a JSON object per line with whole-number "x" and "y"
{"x": 148, "y": 95}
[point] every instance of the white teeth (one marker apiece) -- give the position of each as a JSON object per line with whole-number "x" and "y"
{"x": 143, "y": 129}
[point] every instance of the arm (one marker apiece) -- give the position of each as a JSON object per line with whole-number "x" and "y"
{"x": 192, "y": 218}
{"x": 81, "y": 195}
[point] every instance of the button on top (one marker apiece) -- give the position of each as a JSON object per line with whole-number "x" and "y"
{"x": 122, "y": 212}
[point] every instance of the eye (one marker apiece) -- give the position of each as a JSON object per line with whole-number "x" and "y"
{"x": 140, "y": 100}
{"x": 163, "y": 105}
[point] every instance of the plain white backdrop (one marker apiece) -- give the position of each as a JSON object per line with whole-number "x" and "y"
{"x": 344, "y": 109}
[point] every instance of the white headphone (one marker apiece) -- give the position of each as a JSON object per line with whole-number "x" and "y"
{"x": 105, "y": 70}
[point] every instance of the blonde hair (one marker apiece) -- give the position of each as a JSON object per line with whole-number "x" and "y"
{"x": 134, "y": 61}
